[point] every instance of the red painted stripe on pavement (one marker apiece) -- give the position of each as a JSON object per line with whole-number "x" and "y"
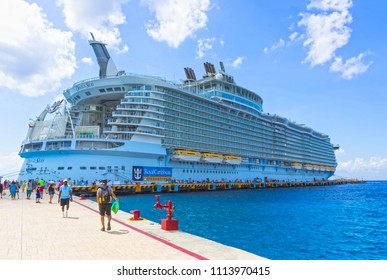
{"x": 197, "y": 256}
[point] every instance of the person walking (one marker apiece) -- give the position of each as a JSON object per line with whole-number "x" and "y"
{"x": 29, "y": 189}
{"x": 12, "y": 189}
{"x": 41, "y": 188}
{"x": 17, "y": 189}
{"x": 64, "y": 197}
{"x": 104, "y": 199}
{"x": 51, "y": 190}
{"x": 37, "y": 194}
{"x": 1, "y": 190}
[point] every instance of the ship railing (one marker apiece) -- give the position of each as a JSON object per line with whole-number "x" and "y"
{"x": 158, "y": 78}
{"x": 70, "y": 137}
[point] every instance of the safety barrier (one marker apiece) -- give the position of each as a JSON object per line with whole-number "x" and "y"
{"x": 218, "y": 186}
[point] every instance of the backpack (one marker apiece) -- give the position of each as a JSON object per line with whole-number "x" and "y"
{"x": 105, "y": 195}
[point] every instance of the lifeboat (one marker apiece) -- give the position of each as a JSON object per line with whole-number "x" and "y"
{"x": 308, "y": 166}
{"x": 325, "y": 168}
{"x": 185, "y": 155}
{"x": 232, "y": 159}
{"x": 212, "y": 158}
{"x": 296, "y": 165}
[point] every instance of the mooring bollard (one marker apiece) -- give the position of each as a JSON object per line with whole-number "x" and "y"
{"x": 169, "y": 223}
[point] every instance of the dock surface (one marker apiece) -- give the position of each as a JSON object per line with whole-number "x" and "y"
{"x": 37, "y": 231}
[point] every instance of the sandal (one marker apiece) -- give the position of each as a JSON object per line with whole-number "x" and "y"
{"x": 103, "y": 229}
{"x": 108, "y": 227}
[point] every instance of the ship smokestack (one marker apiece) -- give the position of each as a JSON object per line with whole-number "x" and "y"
{"x": 105, "y": 62}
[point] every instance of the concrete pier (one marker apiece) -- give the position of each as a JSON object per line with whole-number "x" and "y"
{"x": 37, "y": 231}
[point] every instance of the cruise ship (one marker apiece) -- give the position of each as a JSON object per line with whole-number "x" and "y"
{"x": 129, "y": 128}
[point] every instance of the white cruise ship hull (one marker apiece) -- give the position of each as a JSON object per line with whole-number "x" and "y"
{"x": 137, "y": 128}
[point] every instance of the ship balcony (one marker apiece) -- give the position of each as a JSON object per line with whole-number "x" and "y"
{"x": 133, "y": 131}
{"x": 134, "y": 124}
{"x": 123, "y": 122}
{"x": 130, "y": 105}
{"x": 137, "y": 116}
{"x": 148, "y": 101}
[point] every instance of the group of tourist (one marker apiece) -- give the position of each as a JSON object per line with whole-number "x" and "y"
{"x": 104, "y": 195}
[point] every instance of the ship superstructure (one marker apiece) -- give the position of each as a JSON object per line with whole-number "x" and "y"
{"x": 130, "y": 127}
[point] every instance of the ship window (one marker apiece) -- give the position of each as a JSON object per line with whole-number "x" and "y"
{"x": 88, "y": 93}
{"x": 82, "y": 167}
{"x": 101, "y": 168}
{"x": 109, "y": 89}
{"x": 60, "y": 168}
{"x": 69, "y": 168}
{"x": 93, "y": 168}
{"x": 102, "y": 90}
{"x": 123, "y": 168}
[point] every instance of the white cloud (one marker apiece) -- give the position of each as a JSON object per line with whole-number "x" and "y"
{"x": 325, "y": 5}
{"x": 204, "y": 45}
{"x": 237, "y": 62}
{"x": 176, "y": 20}
{"x": 87, "y": 60}
{"x": 34, "y": 56}
{"x": 10, "y": 165}
{"x": 100, "y": 17}
{"x": 375, "y": 165}
{"x": 325, "y": 34}
{"x": 275, "y": 46}
{"x": 327, "y": 30}
{"x": 351, "y": 67}
{"x": 340, "y": 151}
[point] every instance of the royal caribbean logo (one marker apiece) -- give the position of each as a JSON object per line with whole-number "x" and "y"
{"x": 137, "y": 173}
{"x": 149, "y": 173}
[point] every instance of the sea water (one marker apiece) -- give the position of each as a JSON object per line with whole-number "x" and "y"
{"x": 341, "y": 222}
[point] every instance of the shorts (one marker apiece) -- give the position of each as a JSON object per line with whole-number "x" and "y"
{"x": 105, "y": 208}
{"x": 64, "y": 201}
{"x": 51, "y": 192}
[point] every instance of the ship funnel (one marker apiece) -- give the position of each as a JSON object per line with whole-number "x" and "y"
{"x": 222, "y": 67}
{"x": 105, "y": 62}
{"x": 190, "y": 74}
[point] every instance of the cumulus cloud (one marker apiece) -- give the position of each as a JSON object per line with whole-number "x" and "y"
{"x": 325, "y": 30}
{"x": 374, "y": 165}
{"x": 87, "y": 60}
{"x": 237, "y": 62}
{"x": 176, "y": 20}
{"x": 35, "y": 56}
{"x": 325, "y": 34}
{"x": 325, "y": 5}
{"x": 100, "y": 17}
{"x": 204, "y": 45}
{"x": 351, "y": 67}
{"x": 275, "y": 46}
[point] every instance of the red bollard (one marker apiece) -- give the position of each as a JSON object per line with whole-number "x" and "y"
{"x": 82, "y": 197}
{"x": 136, "y": 215}
{"x": 169, "y": 223}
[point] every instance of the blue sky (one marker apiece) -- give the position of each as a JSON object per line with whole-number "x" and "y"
{"x": 321, "y": 63}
